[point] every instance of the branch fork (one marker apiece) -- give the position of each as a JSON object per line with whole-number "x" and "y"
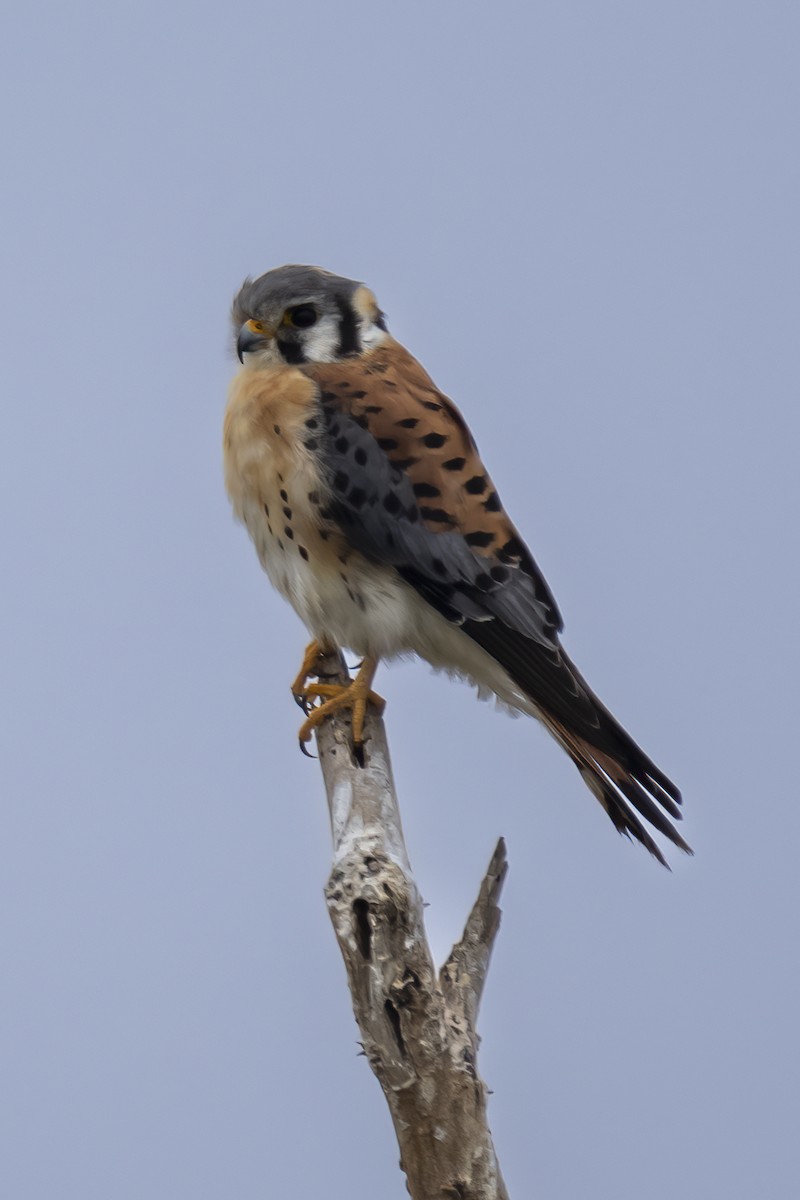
{"x": 418, "y": 1027}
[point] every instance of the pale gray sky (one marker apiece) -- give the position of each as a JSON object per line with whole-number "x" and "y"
{"x": 583, "y": 219}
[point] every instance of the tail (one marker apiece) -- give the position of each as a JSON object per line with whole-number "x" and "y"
{"x": 614, "y": 768}
{"x": 626, "y": 784}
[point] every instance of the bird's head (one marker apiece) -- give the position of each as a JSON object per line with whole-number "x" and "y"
{"x": 300, "y": 314}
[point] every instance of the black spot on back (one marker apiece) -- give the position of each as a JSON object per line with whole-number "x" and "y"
{"x": 434, "y": 440}
{"x": 432, "y": 405}
{"x": 303, "y": 552}
{"x": 340, "y": 481}
{"x": 403, "y": 464}
{"x": 360, "y": 456}
{"x": 283, "y": 495}
{"x": 514, "y": 548}
{"x": 476, "y": 486}
{"x": 408, "y": 422}
{"x": 387, "y": 443}
{"x": 479, "y": 537}
{"x": 493, "y": 503}
{"x": 391, "y": 502}
{"x": 342, "y": 445}
{"x": 454, "y": 464}
{"x": 435, "y": 514}
{"x": 426, "y": 490}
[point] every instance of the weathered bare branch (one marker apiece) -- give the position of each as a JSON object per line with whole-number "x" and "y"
{"x": 418, "y": 1029}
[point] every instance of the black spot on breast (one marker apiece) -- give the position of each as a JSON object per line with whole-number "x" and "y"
{"x": 287, "y": 512}
{"x": 280, "y": 544}
{"x": 357, "y": 496}
{"x": 312, "y": 423}
{"x": 387, "y": 443}
{"x": 303, "y": 553}
{"x": 358, "y": 396}
{"x": 480, "y": 537}
{"x": 454, "y": 464}
{"x": 311, "y": 444}
{"x": 391, "y": 502}
{"x": 426, "y": 490}
{"x": 403, "y": 464}
{"x": 435, "y": 514}
{"x": 289, "y": 532}
{"x": 284, "y": 496}
{"x": 313, "y": 497}
{"x": 323, "y": 533}
{"x": 408, "y": 422}
{"x": 277, "y": 429}
{"x": 434, "y": 440}
{"x": 342, "y": 445}
{"x": 493, "y": 503}
{"x": 360, "y": 456}
{"x": 476, "y": 486}
{"x": 341, "y": 481}
{"x": 269, "y": 527}
{"x": 266, "y": 509}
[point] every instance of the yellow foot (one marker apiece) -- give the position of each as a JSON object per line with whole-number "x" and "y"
{"x": 313, "y": 652}
{"x": 335, "y": 696}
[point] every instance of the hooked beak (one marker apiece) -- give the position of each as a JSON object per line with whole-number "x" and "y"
{"x": 253, "y": 335}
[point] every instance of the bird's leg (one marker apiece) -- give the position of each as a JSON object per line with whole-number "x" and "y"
{"x": 355, "y": 695}
{"x": 313, "y": 653}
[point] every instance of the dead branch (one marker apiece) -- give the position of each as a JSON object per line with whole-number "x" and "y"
{"x": 417, "y": 1026}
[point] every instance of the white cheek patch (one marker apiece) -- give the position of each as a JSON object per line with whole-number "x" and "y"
{"x": 370, "y": 334}
{"x": 365, "y": 306}
{"x": 321, "y": 342}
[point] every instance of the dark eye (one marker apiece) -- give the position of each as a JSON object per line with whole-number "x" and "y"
{"x": 303, "y": 316}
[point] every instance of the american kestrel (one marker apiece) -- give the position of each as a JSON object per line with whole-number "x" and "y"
{"x": 372, "y": 513}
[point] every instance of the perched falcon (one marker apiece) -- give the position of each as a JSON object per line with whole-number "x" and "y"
{"x": 372, "y": 513}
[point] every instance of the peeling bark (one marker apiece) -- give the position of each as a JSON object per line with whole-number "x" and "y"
{"x": 418, "y": 1026}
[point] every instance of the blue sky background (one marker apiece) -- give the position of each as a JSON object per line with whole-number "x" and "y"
{"x": 583, "y": 219}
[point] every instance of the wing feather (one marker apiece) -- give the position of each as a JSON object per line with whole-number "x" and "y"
{"x": 409, "y": 490}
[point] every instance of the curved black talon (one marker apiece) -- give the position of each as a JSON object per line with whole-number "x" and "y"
{"x": 302, "y": 746}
